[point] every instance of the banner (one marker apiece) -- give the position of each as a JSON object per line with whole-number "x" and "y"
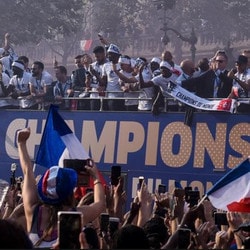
{"x": 188, "y": 98}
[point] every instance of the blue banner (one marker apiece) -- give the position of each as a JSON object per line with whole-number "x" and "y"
{"x": 160, "y": 148}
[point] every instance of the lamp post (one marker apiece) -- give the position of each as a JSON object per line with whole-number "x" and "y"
{"x": 192, "y": 39}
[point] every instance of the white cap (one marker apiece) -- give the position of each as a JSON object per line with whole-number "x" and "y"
{"x": 156, "y": 59}
{"x": 113, "y": 48}
{"x": 18, "y": 65}
{"x": 165, "y": 65}
{"x": 124, "y": 60}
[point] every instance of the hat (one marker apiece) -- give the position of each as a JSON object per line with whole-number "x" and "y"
{"x": 56, "y": 184}
{"x": 242, "y": 59}
{"x": 165, "y": 65}
{"x": 139, "y": 61}
{"x": 18, "y": 65}
{"x": 124, "y": 60}
{"x": 114, "y": 49}
{"x": 156, "y": 59}
{"x": 242, "y": 206}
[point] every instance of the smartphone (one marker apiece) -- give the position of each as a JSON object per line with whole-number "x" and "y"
{"x": 220, "y": 219}
{"x": 113, "y": 225}
{"x": 115, "y": 174}
{"x": 69, "y": 228}
{"x": 184, "y": 237}
{"x": 78, "y": 165}
{"x": 104, "y": 222}
{"x": 141, "y": 179}
{"x": 161, "y": 189}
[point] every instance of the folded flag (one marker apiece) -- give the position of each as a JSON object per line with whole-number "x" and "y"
{"x": 232, "y": 192}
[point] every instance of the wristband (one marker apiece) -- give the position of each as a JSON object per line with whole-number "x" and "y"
{"x": 97, "y": 182}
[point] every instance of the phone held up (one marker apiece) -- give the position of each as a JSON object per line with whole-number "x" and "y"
{"x": 78, "y": 165}
{"x": 162, "y": 189}
{"x": 69, "y": 228}
{"x": 141, "y": 179}
{"x": 115, "y": 175}
{"x": 184, "y": 238}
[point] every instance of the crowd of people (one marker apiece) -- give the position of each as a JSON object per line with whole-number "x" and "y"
{"x": 169, "y": 219}
{"x": 123, "y": 83}
{"x": 165, "y": 219}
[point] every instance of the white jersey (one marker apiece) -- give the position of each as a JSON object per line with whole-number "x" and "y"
{"x": 146, "y": 105}
{"x": 21, "y": 84}
{"x": 39, "y": 84}
{"x": 94, "y": 83}
{"x": 245, "y": 76}
{"x": 130, "y": 94}
{"x": 5, "y": 79}
{"x": 112, "y": 80}
{"x": 162, "y": 82}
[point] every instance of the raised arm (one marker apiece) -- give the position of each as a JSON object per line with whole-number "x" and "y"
{"x": 93, "y": 210}
{"x": 30, "y": 195}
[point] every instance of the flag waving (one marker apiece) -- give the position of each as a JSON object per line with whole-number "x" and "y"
{"x": 232, "y": 192}
{"x": 58, "y": 142}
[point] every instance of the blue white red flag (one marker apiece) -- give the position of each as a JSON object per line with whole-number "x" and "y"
{"x": 232, "y": 192}
{"x": 58, "y": 142}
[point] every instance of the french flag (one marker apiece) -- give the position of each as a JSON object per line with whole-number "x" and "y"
{"x": 232, "y": 192}
{"x": 58, "y": 143}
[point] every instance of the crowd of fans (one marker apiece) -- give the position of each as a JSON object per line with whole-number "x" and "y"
{"x": 109, "y": 80}
{"x": 169, "y": 219}
{"x": 165, "y": 219}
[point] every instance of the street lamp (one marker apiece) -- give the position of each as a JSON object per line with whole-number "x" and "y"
{"x": 192, "y": 39}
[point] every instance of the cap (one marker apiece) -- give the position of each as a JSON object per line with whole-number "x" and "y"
{"x": 113, "y": 48}
{"x": 18, "y": 65}
{"x": 165, "y": 64}
{"x": 156, "y": 59}
{"x": 56, "y": 185}
{"x": 124, "y": 60}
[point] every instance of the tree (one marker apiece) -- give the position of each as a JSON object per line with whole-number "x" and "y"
{"x": 57, "y": 22}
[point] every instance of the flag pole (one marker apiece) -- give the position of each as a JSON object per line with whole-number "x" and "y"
{"x": 202, "y": 199}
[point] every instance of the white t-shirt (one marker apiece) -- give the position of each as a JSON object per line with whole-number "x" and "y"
{"x": 95, "y": 84}
{"x": 146, "y": 105}
{"x": 39, "y": 85}
{"x": 162, "y": 82}
{"x": 130, "y": 94}
{"x": 112, "y": 80}
{"x": 21, "y": 84}
{"x": 5, "y": 79}
{"x": 245, "y": 76}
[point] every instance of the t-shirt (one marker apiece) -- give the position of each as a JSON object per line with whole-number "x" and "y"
{"x": 112, "y": 80}
{"x": 146, "y": 105}
{"x": 245, "y": 76}
{"x": 162, "y": 82}
{"x": 130, "y": 94}
{"x": 39, "y": 84}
